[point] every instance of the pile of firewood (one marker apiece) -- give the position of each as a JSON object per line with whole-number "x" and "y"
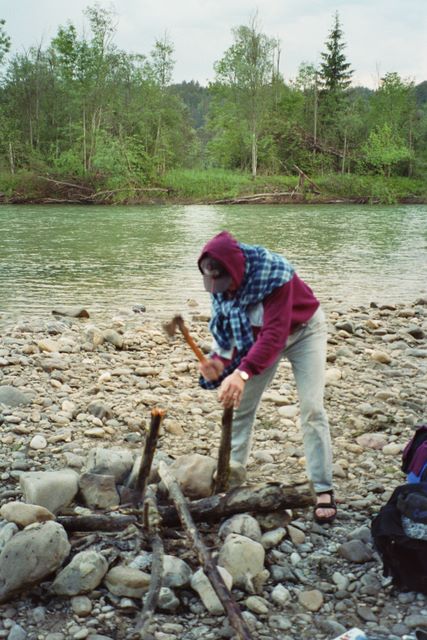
{"x": 144, "y": 510}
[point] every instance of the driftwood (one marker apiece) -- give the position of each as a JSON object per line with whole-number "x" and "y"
{"x": 263, "y": 498}
{"x": 151, "y": 521}
{"x": 95, "y": 522}
{"x": 109, "y": 192}
{"x": 66, "y": 184}
{"x": 63, "y": 192}
{"x": 231, "y": 607}
{"x": 223, "y": 468}
{"x": 302, "y": 178}
{"x": 253, "y": 198}
{"x": 147, "y": 456}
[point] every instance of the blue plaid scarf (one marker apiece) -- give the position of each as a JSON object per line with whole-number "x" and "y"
{"x": 230, "y": 323}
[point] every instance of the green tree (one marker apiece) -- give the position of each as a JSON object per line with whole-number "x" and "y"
{"x": 384, "y": 150}
{"x": 4, "y": 41}
{"x": 394, "y": 104}
{"x": 335, "y": 71}
{"x": 244, "y": 83}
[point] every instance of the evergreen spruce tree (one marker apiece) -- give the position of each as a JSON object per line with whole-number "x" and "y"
{"x": 4, "y": 40}
{"x": 335, "y": 72}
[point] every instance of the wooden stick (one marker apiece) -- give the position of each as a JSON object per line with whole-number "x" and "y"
{"x": 224, "y": 452}
{"x": 189, "y": 340}
{"x": 263, "y": 498}
{"x": 209, "y": 567}
{"x": 151, "y": 524}
{"x": 148, "y": 454}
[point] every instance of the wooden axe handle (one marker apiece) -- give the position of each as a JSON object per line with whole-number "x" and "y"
{"x": 189, "y": 340}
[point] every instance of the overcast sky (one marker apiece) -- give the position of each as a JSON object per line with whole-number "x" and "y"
{"x": 381, "y": 35}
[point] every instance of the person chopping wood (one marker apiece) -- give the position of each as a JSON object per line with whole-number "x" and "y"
{"x": 263, "y": 312}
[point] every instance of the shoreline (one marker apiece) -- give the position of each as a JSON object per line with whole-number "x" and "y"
{"x": 362, "y": 200}
{"x": 212, "y": 187}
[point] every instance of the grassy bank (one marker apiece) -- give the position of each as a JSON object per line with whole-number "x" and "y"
{"x": 216, "y": 185}
{"x": 207, "y": 186}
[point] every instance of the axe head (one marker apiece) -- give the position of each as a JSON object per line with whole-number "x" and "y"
{"x": 174, "y": 325}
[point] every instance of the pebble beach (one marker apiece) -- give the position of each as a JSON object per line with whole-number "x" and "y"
{"x": 69, "y": 385}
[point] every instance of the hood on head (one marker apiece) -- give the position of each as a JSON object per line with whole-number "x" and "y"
{"x": 226, "y": 250}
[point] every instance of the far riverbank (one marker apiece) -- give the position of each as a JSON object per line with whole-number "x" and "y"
{"x": 211, "y": 187}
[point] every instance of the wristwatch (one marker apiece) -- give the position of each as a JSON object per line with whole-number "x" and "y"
{"x": 243, "y": 375}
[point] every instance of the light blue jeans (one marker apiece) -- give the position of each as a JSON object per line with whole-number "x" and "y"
{"x": 306, "y": 351}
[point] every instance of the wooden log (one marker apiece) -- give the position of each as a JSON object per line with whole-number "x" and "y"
{"x": 231, "y": 607}
{"x": 151, "y": 524}
{"x": 263, "y": 498}
{"x": 303, "y": 176}
{"x": 148, "y": 454}
{"x": 224, "y": 452}
{"x": 253, "y": 198}
{"x": 95, "y": 522}
{"x": 73, "y": 185}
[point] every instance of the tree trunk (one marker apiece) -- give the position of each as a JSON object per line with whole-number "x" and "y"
{"x": 11, "y": 159}
{"x": 254, "y": 155}
{"x": 84, "y": 142}
{"x": 344, "y": 153}
{"x": 315, "y": 115}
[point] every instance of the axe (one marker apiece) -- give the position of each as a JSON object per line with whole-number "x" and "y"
{"x": 177, "y": 323}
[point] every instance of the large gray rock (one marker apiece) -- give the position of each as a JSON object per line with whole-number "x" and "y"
{"x": 114, "y": 338}
{"x": 30, "y": 556}
{"x": 53, "y": 490}
{"x": 99, "y": 491}
{"x": 110, "y": 462}
{"x": 24, "y": 514}
{"x": 84, "y": 573}
{"x": 243, "y": 524}
{"x": 176, "y": 572}
{"x": 159, "y": 456}
{"x": 13, "y": 397}
{"x": 201, "y": 584}
{"x": 194, "y": 474}
{"x": 127, "y": 582}
{"x": 7, "y": 531}
{"x": 355, "y": 551}
{"x": 243, "y": 558}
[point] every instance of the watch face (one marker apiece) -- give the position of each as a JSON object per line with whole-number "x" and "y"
{"x": 243, "y": 375}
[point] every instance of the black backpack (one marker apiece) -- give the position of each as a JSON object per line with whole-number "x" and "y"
{"x": 404, "y": 557}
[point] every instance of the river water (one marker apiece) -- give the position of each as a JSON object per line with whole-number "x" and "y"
{"x": 108, "y": 259}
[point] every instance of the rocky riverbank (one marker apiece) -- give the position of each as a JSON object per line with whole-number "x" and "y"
{"x": 69, "y": 386}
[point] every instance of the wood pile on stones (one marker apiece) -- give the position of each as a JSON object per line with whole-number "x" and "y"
{"x": 75, "y": 403}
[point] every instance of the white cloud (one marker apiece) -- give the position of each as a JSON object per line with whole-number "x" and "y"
{"x": 381, "y": 35}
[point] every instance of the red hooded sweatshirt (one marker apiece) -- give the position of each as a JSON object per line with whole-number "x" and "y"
{"x": 284, "y": 309}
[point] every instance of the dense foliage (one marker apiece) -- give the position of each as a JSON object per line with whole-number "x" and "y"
{"x": 82, "y": 108}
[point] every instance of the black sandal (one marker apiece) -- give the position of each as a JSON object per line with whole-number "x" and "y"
{"x": 325, "y": 505}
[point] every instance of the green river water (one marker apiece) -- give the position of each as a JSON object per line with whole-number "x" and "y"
{"x": 108, "y": 259}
